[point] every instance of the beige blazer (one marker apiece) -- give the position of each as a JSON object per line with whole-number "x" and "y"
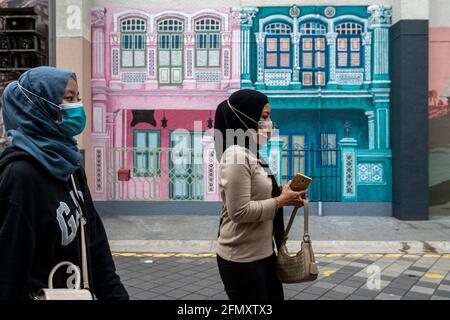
{"x": 249, "y": 209}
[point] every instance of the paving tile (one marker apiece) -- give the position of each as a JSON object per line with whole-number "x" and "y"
{"x": 422, "y": 269}
{"x": 416, "y": 296}
{"x": 132, "y": 291}
{"x": 400, "y": 285}
{"x": 305, "y": 296}
{"x": 427, "y": 284}
{"x": 353, "y": 284}
{"x": 395, "y": 291}
{"x": 423, "y": 290}
{"x": 387, "y": 296}
{"x": 177, "y": 293}
{"x": 446, "y": 282}
{"x": 356, "y": 297}
{"x": 146, "y": 295}
{"x": 444, "y": 287}
{"x": 332, "y": 281}
{"x": 192, "y": 287}
{"x": 335, "y": 295}
{"x": 316, "y": 290}
{"x": 344, "y": 289}
{"x": 366, "y": 293}
{"x": 387, "y": 278}
{"x": 161, "y": 289}
{"x": 209, "y": 291}
{"x": 442, "y": 293}
{"x": 439, "y": 298}
{"x": 411, "y": 273}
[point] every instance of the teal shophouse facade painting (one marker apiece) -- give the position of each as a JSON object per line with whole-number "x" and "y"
{"x": 326, "y": 73}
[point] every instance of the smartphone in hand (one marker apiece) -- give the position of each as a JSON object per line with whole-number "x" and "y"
{"x": 300, "y": 182}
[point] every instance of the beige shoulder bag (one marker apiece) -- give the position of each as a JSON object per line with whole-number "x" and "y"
{"x": 77, "y": 293}
{"x": 302, "y": 267}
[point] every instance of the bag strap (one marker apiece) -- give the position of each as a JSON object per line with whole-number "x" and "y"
{"x": 83, "y": 237}
{"x": 59, "y": 265}
{"x": 306, "y": 237}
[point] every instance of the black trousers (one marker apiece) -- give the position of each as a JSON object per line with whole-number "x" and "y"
{"x": 256, "y": 280}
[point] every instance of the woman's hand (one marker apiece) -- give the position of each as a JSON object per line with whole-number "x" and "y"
{"x": 289, "y": 197}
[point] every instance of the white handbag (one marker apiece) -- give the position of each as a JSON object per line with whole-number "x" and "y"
{"x": 65, "y": 294}
{"x": 71, "y": 294}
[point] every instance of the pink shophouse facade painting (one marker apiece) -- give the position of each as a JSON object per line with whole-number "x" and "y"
{"x": 155, "y": 72}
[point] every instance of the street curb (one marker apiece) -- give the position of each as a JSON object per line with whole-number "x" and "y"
{"x": 210, "y": 246}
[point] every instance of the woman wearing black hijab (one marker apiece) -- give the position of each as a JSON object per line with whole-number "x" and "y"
{"x": 252, "y": 214}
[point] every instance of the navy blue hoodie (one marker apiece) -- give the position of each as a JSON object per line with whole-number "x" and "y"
{"x": 40, "y": 227}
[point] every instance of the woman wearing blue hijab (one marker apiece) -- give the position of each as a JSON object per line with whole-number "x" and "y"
{"x": 39, "y": 216}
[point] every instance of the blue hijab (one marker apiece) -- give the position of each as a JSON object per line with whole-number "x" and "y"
{"x": 30, "y": 120}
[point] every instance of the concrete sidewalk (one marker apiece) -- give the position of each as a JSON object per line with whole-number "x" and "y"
{"x": 198, "y": 234}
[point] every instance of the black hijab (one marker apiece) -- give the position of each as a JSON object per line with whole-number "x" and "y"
{"x": 248, "y": 105}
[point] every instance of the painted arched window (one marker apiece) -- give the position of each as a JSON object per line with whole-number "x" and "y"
{"x": 313, "y": 56}
{"x": 349, "y": 53}
{"x": 170, "y": 51}
{"x": 133, "y": 43}
{"x": 207, "y": 40}
{"x": 278, "y": 45}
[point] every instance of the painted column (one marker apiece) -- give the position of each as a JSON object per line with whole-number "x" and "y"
{"x": 226, "y": 59}
{"x": 367, "y": 43}
{"x": 152, "y": 78}
{"x": 331, "y": 41}
{"x": 349, "y": 191}
{"x": 295, "y": 84}
{"x": 98, "y": 46}
{"x": 371, "y": 128}
{"x": 379, "y": 23}
{"x": 294, "y": 12}
{"x": 235, "y": 48}
{"x": 247, "y": 16}
{"x": 189, "y": 52}
{"x": 275, "y": 158}
{"x": 260, "y": 40}
{"x": 211, "y": 170}
{"x": 115, "y": 82}
{"x": 101, "y": 136}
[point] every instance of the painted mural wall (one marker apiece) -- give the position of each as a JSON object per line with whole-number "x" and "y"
{"x": 156, "y": 71}
{"x": 439, "y": 117}
{"x": 324, "y": 68}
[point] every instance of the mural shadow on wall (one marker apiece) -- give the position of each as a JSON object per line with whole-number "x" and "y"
{"x": 439, "y": 139}
{"x": 440, "y": 194}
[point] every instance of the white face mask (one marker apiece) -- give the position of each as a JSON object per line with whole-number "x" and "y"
{"x": 263, "y": 125}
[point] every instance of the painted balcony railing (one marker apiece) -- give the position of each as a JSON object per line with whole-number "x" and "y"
{"x": 153, "y": 174}
{"x": 142, "y": 174}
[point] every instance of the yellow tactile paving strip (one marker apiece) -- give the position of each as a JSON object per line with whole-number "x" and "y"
{"x": 328, "y": 255}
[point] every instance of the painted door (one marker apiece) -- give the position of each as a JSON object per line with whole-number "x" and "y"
{"x": 186, "y": 172}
